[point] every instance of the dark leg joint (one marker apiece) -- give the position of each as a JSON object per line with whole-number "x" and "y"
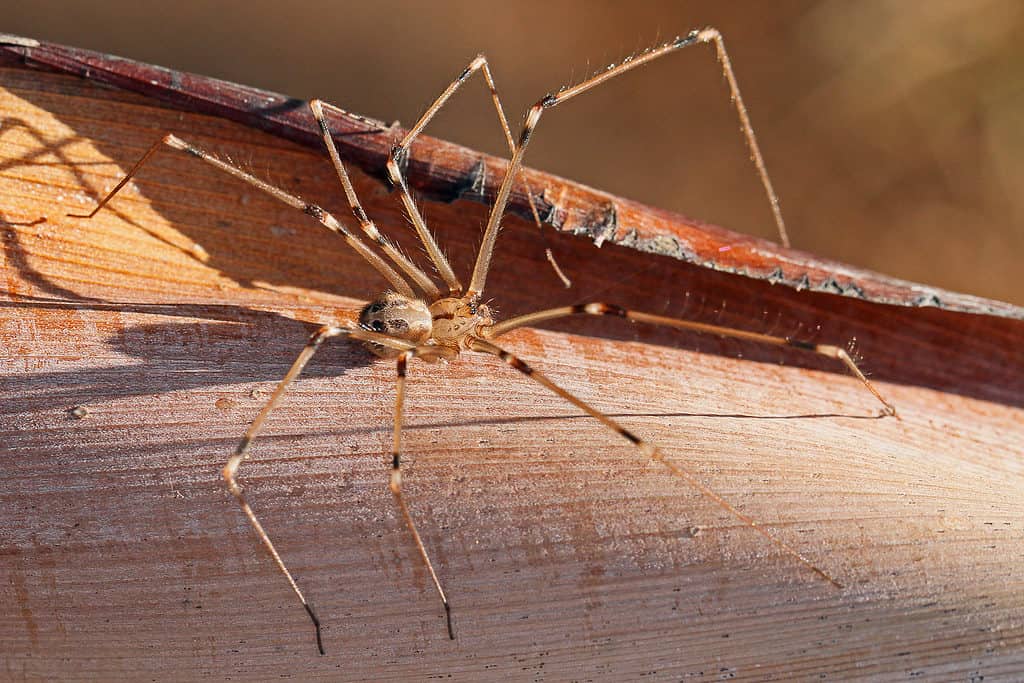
{"x": 516, "y": 363}
{"x": 400, "y": 155}
{"x": 600, "y": 309}
{"x": 633, "y": 438}
{"x": 400, "y": 158}
{"x": 525, "y": 137}
{"x": 689, "y": 39}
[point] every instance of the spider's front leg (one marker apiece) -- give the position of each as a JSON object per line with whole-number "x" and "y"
{"x": 313, "y": 210}
{"x": 697, "y": 37}
{"x": 414, "y": 272}
{"x": 398, "y": 157}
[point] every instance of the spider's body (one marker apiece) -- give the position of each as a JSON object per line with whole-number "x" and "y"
{"x": 401, "y": 325}
{"x": 448, "y": 323}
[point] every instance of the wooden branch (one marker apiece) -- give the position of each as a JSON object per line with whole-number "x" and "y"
{"x": 446, "y": 172}
{"x": 167, "y": 319}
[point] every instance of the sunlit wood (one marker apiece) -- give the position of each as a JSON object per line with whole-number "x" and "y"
{"x": 170, "y": 316}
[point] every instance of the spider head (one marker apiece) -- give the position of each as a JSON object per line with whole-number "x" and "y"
{"x": 396, "y": 316}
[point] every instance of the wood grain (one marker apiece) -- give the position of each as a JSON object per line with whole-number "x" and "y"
{"x": 445, "y": 171}
{"x": 566, "y": 555}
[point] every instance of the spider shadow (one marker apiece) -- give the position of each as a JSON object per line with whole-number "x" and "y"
{"x": 220, "y": 345}
{"x": 226, "y": 239}
{"x": 953, "y": 352}
{"x": 528, "y": 419}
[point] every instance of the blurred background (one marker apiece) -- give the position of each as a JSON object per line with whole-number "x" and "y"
{"x": 892, "y": 130}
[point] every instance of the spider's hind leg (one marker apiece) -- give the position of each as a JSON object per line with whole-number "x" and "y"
{"x": 395, "y": 479}
{"x": 241, "y": 454}
{"x": 651, "y": 451}
{"x": 596, "y": 308}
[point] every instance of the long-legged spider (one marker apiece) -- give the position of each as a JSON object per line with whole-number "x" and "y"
{"x": 415, "y": 319}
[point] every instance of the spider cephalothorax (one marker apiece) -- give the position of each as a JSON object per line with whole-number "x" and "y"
{"x": 457, "y": 320}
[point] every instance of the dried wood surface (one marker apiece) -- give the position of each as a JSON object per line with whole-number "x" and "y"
{"x": 566, "y": 555}
{"x": 446, "y": 172}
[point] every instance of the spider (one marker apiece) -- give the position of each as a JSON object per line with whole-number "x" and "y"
{"x": 416, "y": 319}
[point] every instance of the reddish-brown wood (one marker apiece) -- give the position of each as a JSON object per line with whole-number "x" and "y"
{"x": 566, "y": 554}
{"x": 445, "y": 171}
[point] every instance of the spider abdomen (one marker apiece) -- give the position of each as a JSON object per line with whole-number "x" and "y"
{"x": 396, "y": 315}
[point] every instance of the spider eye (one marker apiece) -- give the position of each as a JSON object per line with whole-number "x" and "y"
{"x": 377, "y": 326}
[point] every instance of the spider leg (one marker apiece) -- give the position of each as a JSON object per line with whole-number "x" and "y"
{"x": 395, "y": 481}
{"x": 650, "y": 451}
{"x": 230, "y": 471}
{"x": 706, "y": 35}
{"x": 827, "y": 350}
{"x": 328, "y": 221}
{"x": 417, "y": 275}
{"x": 398, "y": 152}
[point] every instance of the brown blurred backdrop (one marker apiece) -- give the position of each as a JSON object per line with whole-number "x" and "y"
{"x": 892, "y": 129}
